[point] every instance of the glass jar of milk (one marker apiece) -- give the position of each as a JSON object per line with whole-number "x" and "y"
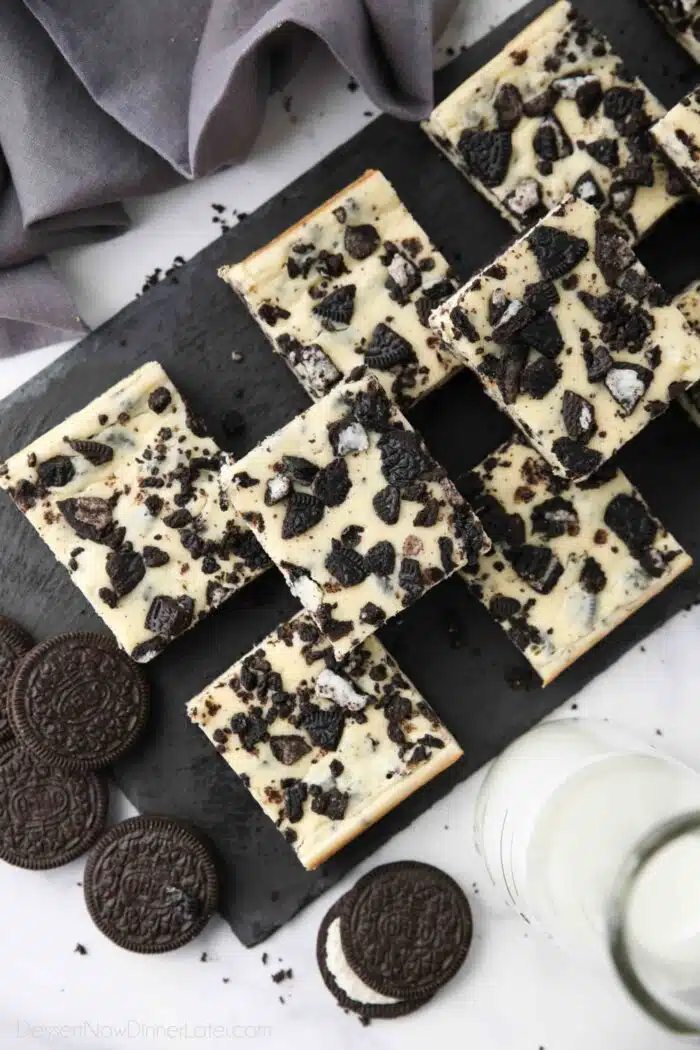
{"x": 595, "y": 836}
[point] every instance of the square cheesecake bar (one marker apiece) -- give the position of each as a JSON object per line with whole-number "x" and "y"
{"x": 569, "y": 561}
{"x": 572, "y": 338}
{"x": 325, "y": 748}
{"x": 682, "y": 20}
{"x": 127, "y": 495}
{"x": 678, "y": 135}
{"x": 688, "y": 302}
{"x": 350, "y": 505}
{"x": 352, "y": 283}
{"x": 557, "y": 112}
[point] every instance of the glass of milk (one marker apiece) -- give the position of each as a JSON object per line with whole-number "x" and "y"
{"x": 595, "y": 836}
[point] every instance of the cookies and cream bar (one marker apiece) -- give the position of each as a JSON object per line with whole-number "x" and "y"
{"x": 688, "y": 302}
{"x": 127, "y": 495}
{"x": 682, "y": 20}
{"x": 557, "y": 112}
{"x": 678, "y": 135}
{"x": 350, "y": 505}
{"x": 569, "y": 561}
{"x": 572, "y": 338}
{"x": 352, "y": 283}
{"x": 325, "y": 748}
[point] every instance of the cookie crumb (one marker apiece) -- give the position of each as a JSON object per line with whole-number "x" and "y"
{"x": 352, "y": 86}
{"x": 236, "y": 357}
{"x": 282, "y": 975}
{"x": 521, "y": 678}
{"x": 265, "y": 958}
{"x": 204, "y": 957}
{"x": 80, "y": 949}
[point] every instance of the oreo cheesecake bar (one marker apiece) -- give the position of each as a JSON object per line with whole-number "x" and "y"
{"x": 127, "y": 495}
{"x": 569, "y": 561}
{"x": 352, "y": 283}
{"x": 688, "y": 302}
{"x": 572, "y": 338}
{"x": 682, "y": 19}
{"x": 678, "y": 135}
{"x": 350, "y": 505}
{"x": 557, "y": 112}
{"x": 325, "y": 748}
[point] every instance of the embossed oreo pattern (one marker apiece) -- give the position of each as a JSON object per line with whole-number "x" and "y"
{"x": 365, "y": 1010}
{"x": 406, "y": 929}
{"x": 150, "y": 884}
{"x": 14, "y": 643}
{"x": 78, "y": 702}
{"x": 48, "y": 817}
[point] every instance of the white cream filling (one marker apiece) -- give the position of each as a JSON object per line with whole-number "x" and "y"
{"x": 345, "y": 977}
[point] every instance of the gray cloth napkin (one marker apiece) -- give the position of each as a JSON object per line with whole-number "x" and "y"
{"x": 101, "y": 101}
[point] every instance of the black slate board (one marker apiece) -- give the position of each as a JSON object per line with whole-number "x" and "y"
{"x": 447, "y": 643}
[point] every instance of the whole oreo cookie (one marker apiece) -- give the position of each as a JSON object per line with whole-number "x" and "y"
{"x": 150, "y": 884}
{"x": 78, "y": 702}
{"x": 406, "y": 929}
{"x": 343, "y": 983}
{"x": 14, "y": 643}
{"x": 48, "y": 816}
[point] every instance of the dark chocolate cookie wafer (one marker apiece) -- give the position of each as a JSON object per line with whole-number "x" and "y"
{"x": 151, "y": 884}
{"x": 344, "y": 984}
{"x": 14, "y": 643}
{"x": 78, "y": 702}
{"x": 406, "y": 929}
{"x": 48, "y": 816}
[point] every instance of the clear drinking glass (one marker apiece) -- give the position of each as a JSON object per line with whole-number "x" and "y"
{"x": 594, "y": 835}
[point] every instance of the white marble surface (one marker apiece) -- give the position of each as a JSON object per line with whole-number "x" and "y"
{"x": 518, "y": 991}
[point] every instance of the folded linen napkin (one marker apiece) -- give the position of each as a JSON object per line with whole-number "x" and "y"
{"x": 105, "y": 101}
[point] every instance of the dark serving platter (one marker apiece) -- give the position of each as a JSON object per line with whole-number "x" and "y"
{"x": 446, "y": 643}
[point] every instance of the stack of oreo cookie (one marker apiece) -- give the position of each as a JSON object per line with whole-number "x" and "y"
{"x": 388, "y": 945}
{"x": 69, "y": 708}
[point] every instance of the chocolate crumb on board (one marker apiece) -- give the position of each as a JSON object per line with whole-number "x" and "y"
{"x": 522, "y": 679}
{"x": 204, "y": 957}
{"x": 282, "y": 975}
{"x": 352, "y": 86}
{"x": 159, "y": 274}
{"x": 265, "y": 958}
{"x": 80, "y": 949}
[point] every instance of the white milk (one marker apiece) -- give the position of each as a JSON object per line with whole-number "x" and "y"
{"x": 560, "y": 812}
{"x": 662, "y": 922}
